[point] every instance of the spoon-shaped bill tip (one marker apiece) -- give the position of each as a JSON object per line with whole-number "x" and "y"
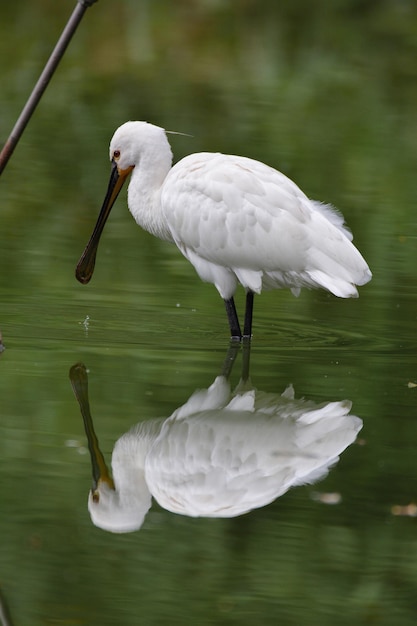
{"x": 79, "y": 380}
{"x": 85, "y": 267}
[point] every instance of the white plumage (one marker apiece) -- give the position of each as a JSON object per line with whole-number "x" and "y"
{"x": 221, "y": 454}
{"x": 235, "y": 219}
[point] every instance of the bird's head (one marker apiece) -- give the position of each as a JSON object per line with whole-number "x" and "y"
{"x": 115, "y": 512}
{"x": 134, "y": 144}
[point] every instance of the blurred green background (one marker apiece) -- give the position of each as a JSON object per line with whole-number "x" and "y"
{"x": 325, "y": 92}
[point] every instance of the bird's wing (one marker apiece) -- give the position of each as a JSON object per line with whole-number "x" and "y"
{"x": 233, "y": 210}
{"x": 226, "y": 461}
{"x": 241, "y": 214}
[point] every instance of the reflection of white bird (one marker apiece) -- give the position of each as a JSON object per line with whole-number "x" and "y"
{"x": 235, "y": 219}
{"x": 221, "y": 454}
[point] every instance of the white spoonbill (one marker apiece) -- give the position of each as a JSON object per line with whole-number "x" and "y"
{"x": 221, "y": 454}
{"x": 235, "y": 219}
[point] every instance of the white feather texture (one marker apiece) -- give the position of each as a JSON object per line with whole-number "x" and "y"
{"x": 222, "y": 454}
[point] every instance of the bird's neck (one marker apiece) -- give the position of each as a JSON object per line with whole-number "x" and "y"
{"x": 144, "y": 196}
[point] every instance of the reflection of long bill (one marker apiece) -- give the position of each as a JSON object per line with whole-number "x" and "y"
{"x": 79, "y": 382}
{"x": 85, "y": 267}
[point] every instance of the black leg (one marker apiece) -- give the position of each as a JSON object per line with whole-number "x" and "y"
{"x": 246, "y": 359}
{"x": 247, "y": 329}
{"x": 230, "y": 358}
{"x": 235, "y": 332}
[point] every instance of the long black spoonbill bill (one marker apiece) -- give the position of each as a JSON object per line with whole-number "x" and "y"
{"x": 235, "y": 219}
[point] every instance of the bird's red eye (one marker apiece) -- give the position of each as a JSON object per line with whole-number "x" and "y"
{"x": 116, "y": 154}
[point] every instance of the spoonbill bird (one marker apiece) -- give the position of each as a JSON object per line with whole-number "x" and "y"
{"x": 235, "y": 219}
{"x": 221, "y": 454}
